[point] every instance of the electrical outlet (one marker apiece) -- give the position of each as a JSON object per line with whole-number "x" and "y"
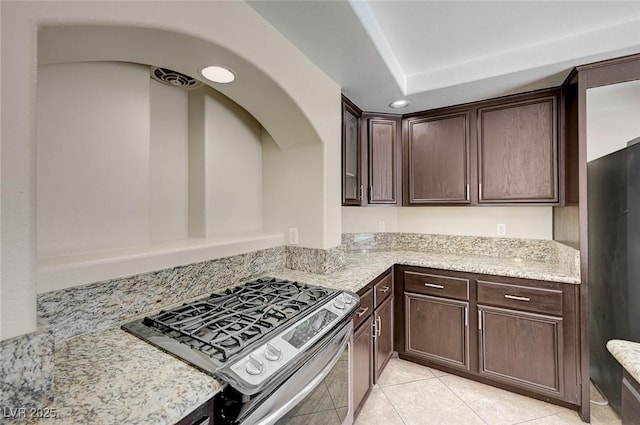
{"x": 293, "y": 236}
{"x": 502, "y": 229}
{"x": 382, "y": 226}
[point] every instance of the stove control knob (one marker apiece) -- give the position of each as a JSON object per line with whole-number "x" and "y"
{"x": 346, "y": 298}
{"x": 254, "y": 365}
{"x": 339, "y": 304}
{"x": 272, "y": 352}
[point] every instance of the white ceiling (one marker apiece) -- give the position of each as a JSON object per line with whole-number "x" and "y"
{"x": 441, "y": 53}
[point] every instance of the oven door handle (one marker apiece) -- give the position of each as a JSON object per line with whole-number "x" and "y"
{"x": 306, "y": 390}
{"x": 299, "y": 394}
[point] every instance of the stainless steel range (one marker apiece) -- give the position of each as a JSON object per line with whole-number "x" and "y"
{"x": 282, "y": 348}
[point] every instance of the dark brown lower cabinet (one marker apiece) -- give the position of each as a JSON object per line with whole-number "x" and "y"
{"x": 362, "y": 362}
{"x": 436, "y": 329}
{"x": 521, "y": 348}
{"x": 630, "y": 400}
{"x": 384, "y": 335}
{"x": 202, "y": 415}
{"x": 518, "y": 334}
{"x": 373, "y": 336}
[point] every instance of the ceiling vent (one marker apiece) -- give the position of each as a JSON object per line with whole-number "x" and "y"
{"x": 174, "y": 78}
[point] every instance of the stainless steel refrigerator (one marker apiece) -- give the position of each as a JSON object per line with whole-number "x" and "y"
{"x": 613, "y": 183}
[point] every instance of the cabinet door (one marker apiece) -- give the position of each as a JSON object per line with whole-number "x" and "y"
{"x": 383, "y": 161}
{"x": 517, "y": 149}
{"x": 630, "y": 400}
{"x": 384, "y": 335}
{"x": 438, "y": 153}
{"x": 362, "y": 362}
{"x": 437, "y": 329}
{"x": 351, "y": 176}
{"x": 523, "y": 349}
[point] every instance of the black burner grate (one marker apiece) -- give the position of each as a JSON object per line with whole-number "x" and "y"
{"x": 224, "y": 324}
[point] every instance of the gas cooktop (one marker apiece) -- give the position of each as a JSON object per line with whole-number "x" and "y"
{"x": 214, "y": 331}
{"x": 224, "y": 324}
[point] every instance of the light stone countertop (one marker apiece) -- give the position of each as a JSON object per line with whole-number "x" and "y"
{"x": 627, "y": 353}
{"x": 112, "y": 377}
{"x": 362, "y": 267}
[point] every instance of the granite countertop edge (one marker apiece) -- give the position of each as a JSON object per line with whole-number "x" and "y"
{"x": 627, "y": 353}
{"x": 84, "y": 364}
{"x": 112, "y": 377}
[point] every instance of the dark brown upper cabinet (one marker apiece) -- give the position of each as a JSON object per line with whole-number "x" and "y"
{"x": 383, "y": 137}
{"x": 371, "y": 157}
{"x": 518, "y": 151}
{"x": 352, "y": 185}
{"x": 514, "y": 150}
{"x": 438, "y": 160}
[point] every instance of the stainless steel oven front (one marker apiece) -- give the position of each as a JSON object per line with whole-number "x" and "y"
{"x": 281, "y": 349}
{"x": 318, "y": 393}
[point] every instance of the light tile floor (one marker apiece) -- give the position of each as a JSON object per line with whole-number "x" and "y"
{"x": 411, "y": 394}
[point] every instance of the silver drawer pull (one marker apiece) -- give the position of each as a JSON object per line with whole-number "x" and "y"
{"x": 384, "y": 289}
{"x": 362, "y": 311}
{"x": 517, "y": 298}
{"x": 433, "y": 285}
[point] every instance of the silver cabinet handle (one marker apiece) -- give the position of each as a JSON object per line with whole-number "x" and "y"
{"x": 384, "y": 289}
{"x": 480, "y": 191}
{"x": 379, "y": 325}
{"x": 517, "y": 298}
{"x": 479, "y": 319}
{"x": 374, "y": 330}
{"x": 433, "y": 285}
{"x": 466, "y": 316}
{"x": 362, "y": 311}
{"x": 361, "y": 190}
{"x": 467, "y": 198}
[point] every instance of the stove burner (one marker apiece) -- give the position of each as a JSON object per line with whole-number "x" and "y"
{"x": 224, "y": 324}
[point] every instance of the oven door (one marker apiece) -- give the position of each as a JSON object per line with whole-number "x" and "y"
{"x": 319, "y": 393}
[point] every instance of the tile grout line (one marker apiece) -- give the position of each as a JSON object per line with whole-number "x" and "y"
{"x": 514, "y": 423}
{"x": 392, "y": 406}
{"x": 535, "y": 419}
{"x": 462, "y": 400}
{"x": 407, "y": 382}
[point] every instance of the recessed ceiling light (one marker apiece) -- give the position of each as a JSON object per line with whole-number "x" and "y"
{"x": 399, "y": 104}
{"x": 218, "y": 74}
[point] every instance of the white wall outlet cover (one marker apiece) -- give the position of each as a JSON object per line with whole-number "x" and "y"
{"x": 293, "y": 236}
{"x": 502, "y": 229}
{"x": 382, "y": 226}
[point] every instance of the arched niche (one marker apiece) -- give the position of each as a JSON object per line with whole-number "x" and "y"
{"x": 254, "y": 89}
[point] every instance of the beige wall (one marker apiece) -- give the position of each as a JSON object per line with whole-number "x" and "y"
{"x": 522, "y": 222}
{"x": 292, "y": 187}
{"x": 113, "y": 171}
{"x": 93, "y": 157}
{"x": 612, "y": 118}
{"x": 233, "y": 168}
{"x": 168, "y": 156}
{"x": 290, "y": 97}
{"x": 112, "y": 160}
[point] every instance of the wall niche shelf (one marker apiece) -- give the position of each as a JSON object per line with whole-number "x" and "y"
{"x": 55, "y": 273}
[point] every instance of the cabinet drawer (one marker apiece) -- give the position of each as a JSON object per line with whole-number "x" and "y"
{"x": 383, "y": 289}
{"x": 365, "y": 309}
{"x": 436, "y": 285}
{"x": 539, "y": 300}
